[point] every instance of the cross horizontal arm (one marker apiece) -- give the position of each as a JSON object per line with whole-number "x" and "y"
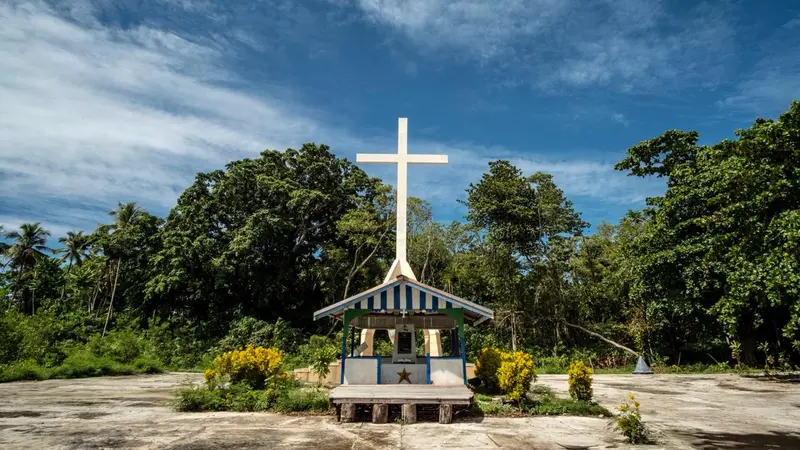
{"x": 427, "y": 159}
{"x": 377, "y": 158}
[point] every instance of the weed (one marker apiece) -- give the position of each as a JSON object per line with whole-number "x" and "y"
{"x": 630, "y": 423}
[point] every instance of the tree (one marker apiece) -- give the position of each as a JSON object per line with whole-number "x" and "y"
{"x": 366, "y": 229}
{"x": 121, "y": 240}
{"x": 720, "y": 259}
{"x": 30, "y": 244}
{"x": 3, "y": 246}
{"x": 76, "y": 244}
{"x": 262, "y": 238}
{"x": 528, "y": 224}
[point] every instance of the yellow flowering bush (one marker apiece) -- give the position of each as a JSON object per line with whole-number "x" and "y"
{"x": 516, "y": 374}
{"x": 256, "y": 367}
{"x": 629, "y": 422}
{"x": 580, "y": 381}
{"x": 487, "y": 365}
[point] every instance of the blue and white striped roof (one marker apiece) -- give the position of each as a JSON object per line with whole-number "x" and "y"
{"x": 410, "y": 295}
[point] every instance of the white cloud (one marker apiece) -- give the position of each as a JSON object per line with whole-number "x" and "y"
{"x": 620, "y": 118}
{"x": 625, "y": 44}
{"x": 92, "y": 115}
{"x": 793, "y": 23}
{"x": 768, "y": 86}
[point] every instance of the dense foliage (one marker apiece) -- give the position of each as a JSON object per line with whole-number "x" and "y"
{"x": 707, "y": 272}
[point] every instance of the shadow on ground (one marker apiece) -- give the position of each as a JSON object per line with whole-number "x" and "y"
{"x": 743, "y": 441}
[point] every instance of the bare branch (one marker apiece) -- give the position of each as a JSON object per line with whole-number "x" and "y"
{"x": 603, "y": 338}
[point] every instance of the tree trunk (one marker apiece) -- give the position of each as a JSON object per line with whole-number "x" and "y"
{"x": 603, "y": 338}
{"x": 513, "y": 332}
{"x": 111, "y": 303}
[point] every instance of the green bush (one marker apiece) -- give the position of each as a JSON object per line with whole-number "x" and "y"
{"x": 80, "y": 363}
{"x": 122, "y": 346}
{"x": 196, "y": 399}
{"x": 318, "y": 354}
{"x": 293, "y": 400}
{"x": 27, "y": 370}
{"x": 84, "y": 363}
{"x": 240, "y": 397}
{"x": 580, "y": 381}
{"x": 147, "y": 364}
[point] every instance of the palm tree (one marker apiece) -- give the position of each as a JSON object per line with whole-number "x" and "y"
{"x": 30, "y": 244}
{"x": 125, "y": 216}
{"x": 76, "y": 244}
{"x": 3, "y": 246}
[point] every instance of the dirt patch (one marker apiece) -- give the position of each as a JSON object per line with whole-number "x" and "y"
{"x": 737, "y": 387}
{"x": 147, "y": 404}
{"x": 14, "y": 414}
{"x": 645, "y": 389}
{"x": 79, "y": 403}
{"x": 89, "y": 415}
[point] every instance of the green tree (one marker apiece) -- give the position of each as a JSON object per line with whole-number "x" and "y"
{"x": 366, "y": 229}
{"x": 720, "y": 257}
{"x": 75, "y": 246}
{"x": 29, "y": 245}
{"x": 528, "y": 225}
{"x": 260, "y": 238}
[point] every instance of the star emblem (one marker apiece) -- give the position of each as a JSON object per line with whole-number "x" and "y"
{"x": 404, "y": 375}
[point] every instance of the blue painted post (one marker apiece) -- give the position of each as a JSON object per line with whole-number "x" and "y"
{"x": 427, "y": 368}
{"x": 379, "y": 369}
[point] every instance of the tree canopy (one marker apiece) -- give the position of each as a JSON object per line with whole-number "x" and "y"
{"x": 709, "y": 271}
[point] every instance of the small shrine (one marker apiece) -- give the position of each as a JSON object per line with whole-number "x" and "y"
{"x": 402, "y": 305}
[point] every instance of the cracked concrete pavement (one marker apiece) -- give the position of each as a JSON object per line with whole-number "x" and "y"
{"x": 685, "y": 411}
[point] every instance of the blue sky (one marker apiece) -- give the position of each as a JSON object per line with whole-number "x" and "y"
{"x": 105, "y": 102}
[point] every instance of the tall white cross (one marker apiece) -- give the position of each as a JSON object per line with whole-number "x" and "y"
{"x": 402, "y": 159}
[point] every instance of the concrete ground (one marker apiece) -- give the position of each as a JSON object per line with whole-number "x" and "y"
{"x": 686, "y": 411}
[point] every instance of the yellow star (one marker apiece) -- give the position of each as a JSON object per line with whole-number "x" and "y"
{"x": 404, "y": 375}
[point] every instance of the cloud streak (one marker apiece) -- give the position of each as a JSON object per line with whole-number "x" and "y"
{"x": 94, "y": 114}
{"x": 623, "y": 44}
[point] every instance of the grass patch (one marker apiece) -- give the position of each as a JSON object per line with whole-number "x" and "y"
{"x": 540, "y": 401}
{"x": 80, "y": 364}
{"x": 23, "y": 371}
{"x": 239, "y": 397}
{"x": 684, "y": 369}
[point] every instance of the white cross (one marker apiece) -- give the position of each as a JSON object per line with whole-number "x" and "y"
{"x": 402, "y": 159}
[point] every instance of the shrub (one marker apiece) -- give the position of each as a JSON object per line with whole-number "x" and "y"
{"x": 320, "y": 353}
{"x": 26, "y": 370}
{"x": 629, "y": 422}
{"x": 580, "y": 381}
{"x": 122, "y": 345}
{"x": 200, "y": 399}
{"x": 293, "y": 400}
{"x": 516, "y": 374}
{"x": 257, "y": 367}
{"x": 486, "y": 367}
{"x": 147, "y": 364}
{"x": 258, "y": 333}
{"x": 84, "y": 363}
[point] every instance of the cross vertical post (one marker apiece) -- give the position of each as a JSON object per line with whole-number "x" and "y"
{"x": 402, "y": 159}
{"x": 402, "y": 188}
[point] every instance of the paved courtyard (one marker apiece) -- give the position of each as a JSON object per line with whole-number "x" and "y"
{"x": 686, "y": 411}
